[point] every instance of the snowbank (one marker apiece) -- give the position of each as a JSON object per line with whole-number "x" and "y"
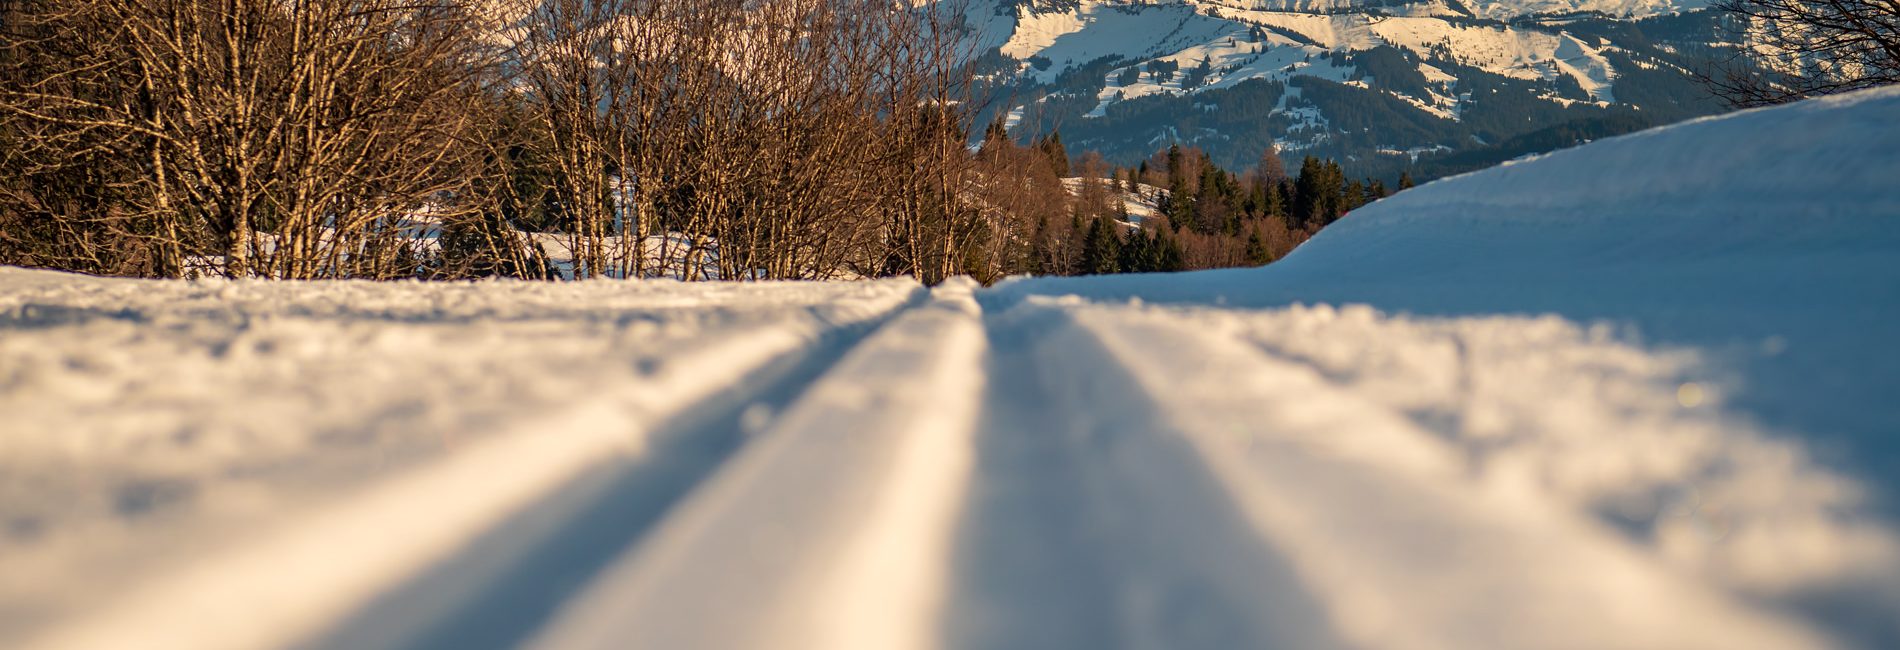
{"x": 1745, "y": 267}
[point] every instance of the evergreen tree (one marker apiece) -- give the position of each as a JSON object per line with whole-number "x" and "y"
{"x": 1198, "y": 75}
{"x": 1319, "y": 194}
{"x": 994, "y": 135}
{"x": 1101, "y": 247}
{"x": 1274, "y": 200}
{"x": 1310, "y": 195}
{"x": 1138, "y": 253}
{"x": 1405, "y": 181}
{"x": 1181, "y": 208}
{"x": 1041, "y": 255}
{"x": 1174, "y": 165}
{"x": 1333, "y": 187}
{"x": 1167, "y": 254}
{"x": 1217, "y": 206}
{"x": 1257, "y": 253}
{"x": 1057, "y": 156}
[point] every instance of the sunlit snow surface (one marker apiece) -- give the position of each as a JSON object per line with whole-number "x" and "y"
{"x": 1638, "y": 394}
{"x": 1704, "y": 311}
{"x": 144, "y": 424}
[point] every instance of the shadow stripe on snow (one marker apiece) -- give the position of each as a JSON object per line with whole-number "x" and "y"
{"x": 1375, "y": 517}
{"x": 508, "y": 582}
{"x": 291, "y": 584}
{"x": 1093, "y": 525}
{"x": 831, "y": 531}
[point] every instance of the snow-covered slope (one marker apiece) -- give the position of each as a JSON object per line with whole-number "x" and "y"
{"x": 1405, "y": 77}
{"x": 1637, "y": 394}
{"x": 1493, "y": 9}
{"x": 1747, "y": 266}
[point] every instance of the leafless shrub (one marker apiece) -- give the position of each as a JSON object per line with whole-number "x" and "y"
{"x": 1793, "y": 49}
{"x": 283, "y": 139}
{"x": 401, "y": 138}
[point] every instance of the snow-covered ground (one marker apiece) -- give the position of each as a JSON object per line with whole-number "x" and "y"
{"x": 1141, "y": 203}
{"x": 1684, "y": 335}
{"x": 1638, "y": 394}
{"x": 263, "y": 454}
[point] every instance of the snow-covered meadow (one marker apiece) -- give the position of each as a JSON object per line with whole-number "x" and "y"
{"x": 1638, "y": 394}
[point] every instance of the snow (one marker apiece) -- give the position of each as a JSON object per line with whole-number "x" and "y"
{"x": 1373, "y": 511}
{"x": 163, "y": 432}
{"x": 1510, "y": 51}
{"x": 664, "y": 256}
{"x": 1743, "y": 267}
{"x": 1331, "y": 32}
{"x": 1636, "y": 394}
{"x": 871, "y": 465}
{"x": 1140, "y": 203}
{"x": 1494, "y": 9}
{"x": 1587, "y": 65}
{"x": 1189, "y": 33}
{"x": 1510, "y": 9}
{"x": 1095, "y": 30}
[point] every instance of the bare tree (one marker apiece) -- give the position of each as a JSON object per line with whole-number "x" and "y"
{"x": 1791, "y": 49}
{"x": 422, "y": 138}
{"x": 719, "y": 138}
{"x": 289, "y": 139}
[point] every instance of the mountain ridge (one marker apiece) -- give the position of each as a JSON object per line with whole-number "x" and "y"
{"x": 1417, "y": 86}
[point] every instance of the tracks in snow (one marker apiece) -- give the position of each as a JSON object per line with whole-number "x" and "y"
{"x": 436, "y": 555}
{"x": 1399, "y": 549}
{"x": 832, "y": 530}
{"x": 1049, "y": 474}
{"x": 510, "y": 582}
{"x": 1092, "y": 525}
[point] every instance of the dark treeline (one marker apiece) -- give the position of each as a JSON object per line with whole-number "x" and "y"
{"x": 1196, "y": 215}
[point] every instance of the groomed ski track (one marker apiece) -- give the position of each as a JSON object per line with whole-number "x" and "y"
{"x": 944, "y": 472}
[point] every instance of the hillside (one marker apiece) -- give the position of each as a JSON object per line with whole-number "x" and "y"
{"x": 1439, "y": 87}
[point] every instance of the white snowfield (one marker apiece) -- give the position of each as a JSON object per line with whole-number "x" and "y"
{"x": 1638, "y": 394}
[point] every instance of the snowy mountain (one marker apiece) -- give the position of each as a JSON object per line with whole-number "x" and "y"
{"x": 1439, "y": 85}
{"x": 1492, "y": 9}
